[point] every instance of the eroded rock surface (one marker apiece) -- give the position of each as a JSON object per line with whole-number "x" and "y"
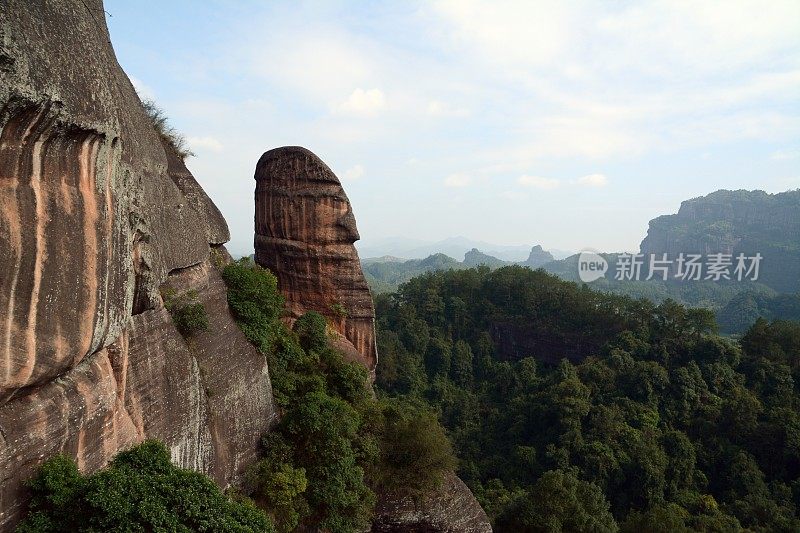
{"x": 305, "y": 232}
{"x": 95, "y": 217}
{"x": 450, "y": 509}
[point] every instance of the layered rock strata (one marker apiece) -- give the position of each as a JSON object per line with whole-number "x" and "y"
{"x": 305, "y": 232}
{"x": 96, "y": 216}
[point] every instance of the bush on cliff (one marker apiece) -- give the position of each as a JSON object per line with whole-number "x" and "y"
{"x": 255, "y": 302}
{"x": 335, "y": 442}
{"x": 141, "y": 490}
{"x": 188, "y": 315}
{"x": 415, "y": 452}
{"x": 169, "y": 135}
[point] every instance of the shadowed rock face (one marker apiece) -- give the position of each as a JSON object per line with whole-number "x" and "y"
{"x": 305, "y": 230}
{"x": 96, "y": 215}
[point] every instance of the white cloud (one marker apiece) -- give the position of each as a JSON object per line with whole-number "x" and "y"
{"x": 509, "y": 32}
{"x": 313, "y": 61}
{"x": 457, "y": 180}
{"x": 782, "y": 155}
{"x": 593, "y": 180}
{"x": 538, "y": 182}
{"x": 440, "y": 109}
{"x": 204, "y": 143}
{"x": 353, "y": 173}
{"x": 513, "y": 195}
{"x": 363, "y": 103}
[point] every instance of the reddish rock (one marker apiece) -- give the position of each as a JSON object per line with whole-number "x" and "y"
{"x": 305, "y": 230}
{"x": 95, "y": 216}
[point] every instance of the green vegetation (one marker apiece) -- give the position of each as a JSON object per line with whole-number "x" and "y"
{"x": 188, "y": 315}
{"x": 335, "y": 444}
{"x": 575, "y": 410}
{"x": 748, "y": 306}
{"x": 141, "y": 490}
{"x": 169, "y": 135}
{"x": 384, "y": 277}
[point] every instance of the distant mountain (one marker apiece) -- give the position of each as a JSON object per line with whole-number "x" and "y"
{"x": 453, "y": 247}
{"x": 538, "y": 257}
{"x": 729, "y": 222}
{"x": 725, "y": 221}
{"x": 386, "y": 273}
{"x": 477, "y": 258}
{"x": 734, "y": 222}
{"x": 383, "y": 259}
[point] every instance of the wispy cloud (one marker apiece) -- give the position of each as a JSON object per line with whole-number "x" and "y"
{"x": 204, "y": 143}
{"x": 538, "y": 182}
{"x": 457, "y": 180}
{"x": 363, "y": 103}
{"x": 353, "y": 173}
{"x": 442, "y": 109}
{"x": 545, "y": 91}
{"x": 593, "y": 180}
{"x": 782, "y": 155}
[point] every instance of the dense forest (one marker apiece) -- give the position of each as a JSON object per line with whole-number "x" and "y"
{"x": 576, "y": 410}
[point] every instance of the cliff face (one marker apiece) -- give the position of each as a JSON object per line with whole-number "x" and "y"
{"x": 734, "y": 222}
{"x": 305, "y": 232}
{"x": 450, "y": 509}
{"x": 95, "y": 217}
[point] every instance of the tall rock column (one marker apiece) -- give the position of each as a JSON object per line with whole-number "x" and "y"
{"x": 304, "y": 234}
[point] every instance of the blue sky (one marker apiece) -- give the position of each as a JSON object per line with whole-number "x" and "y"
{"x": 569, "y": 124}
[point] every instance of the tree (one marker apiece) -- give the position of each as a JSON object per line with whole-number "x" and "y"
{"x": 415, "y": 452}
{"x": 558, "y": 502}
{"x": 141, "y": 490}
{"x": 311, "y": 330}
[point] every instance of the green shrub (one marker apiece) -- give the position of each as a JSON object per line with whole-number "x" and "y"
{"x": 415, "y": 452}
{"x": 339, "y": 310}
{"x": 311, "y": 330}
{"x": 141, "y": 490}
{"x": 255, "y": 301}
{"x": 188, "y": 315}
{"x": 278, "y": 484}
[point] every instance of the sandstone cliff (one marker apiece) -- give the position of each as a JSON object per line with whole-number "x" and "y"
{"x": 734, "y": 222}
{"x": 95, "y": 217}
{"x": 99, "y": 218}
{"x": 305, "y": 232}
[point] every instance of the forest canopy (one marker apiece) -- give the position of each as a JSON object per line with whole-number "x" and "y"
{"x": 574, "y": 410}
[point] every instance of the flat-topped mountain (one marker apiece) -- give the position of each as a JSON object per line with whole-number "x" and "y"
{"x": 734, "y": 222}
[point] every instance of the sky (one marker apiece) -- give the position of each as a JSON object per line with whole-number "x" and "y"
{"x": 570, "y": 124}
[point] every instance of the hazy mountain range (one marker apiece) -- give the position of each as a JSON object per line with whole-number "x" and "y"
{"x": 455, "y": 247}
{"x": 728, "y": 222}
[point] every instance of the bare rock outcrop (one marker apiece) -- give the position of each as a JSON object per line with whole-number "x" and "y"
{"x": 450, "y": 509}
{"x": 735, "y": 222}
{"x": 95, "y": 217}
{"x": 538, "y": 257}
{"x": 305, "y": 232}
